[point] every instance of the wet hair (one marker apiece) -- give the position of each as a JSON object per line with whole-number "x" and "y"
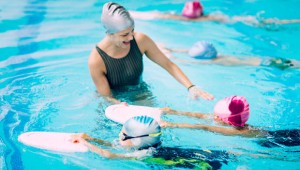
{"x": 115, "y": 18}
{"x": 143, "y": 125}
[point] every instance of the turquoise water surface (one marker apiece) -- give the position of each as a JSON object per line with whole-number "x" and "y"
{"x": 45, "y": 83}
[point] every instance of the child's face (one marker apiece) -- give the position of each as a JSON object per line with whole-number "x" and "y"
{"x": 127, "y": 143}
{"x": 219, "y": 120}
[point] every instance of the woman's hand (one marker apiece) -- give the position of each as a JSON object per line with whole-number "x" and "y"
{"x": 195, "y": 92}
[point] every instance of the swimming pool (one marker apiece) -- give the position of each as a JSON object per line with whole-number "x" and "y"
{"x": 45, "y": 83}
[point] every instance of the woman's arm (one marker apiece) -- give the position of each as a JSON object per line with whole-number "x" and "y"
{"x": 97, "y": 71}
{"x": 190, "y": 114}
{"x": 153, "y": 53}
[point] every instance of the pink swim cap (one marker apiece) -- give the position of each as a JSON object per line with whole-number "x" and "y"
{"x": 192, "y": 9}
{"x": 233, "y": 110}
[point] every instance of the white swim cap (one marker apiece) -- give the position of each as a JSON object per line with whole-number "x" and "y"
{"x": 140, "y": 126}
{"x": 115, "y": 18}
{"x": 203, "y": 50}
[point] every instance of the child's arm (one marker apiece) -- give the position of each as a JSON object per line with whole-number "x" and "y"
{"x": 105, "y": 153}
{"x": 225, "y": 131}
{"x": 79, "y": 136}
{"x": 101, "y": 151}
{"x": 190, "y": 114}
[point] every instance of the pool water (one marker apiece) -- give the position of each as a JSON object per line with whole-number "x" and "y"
{"x": 45, "y": 83}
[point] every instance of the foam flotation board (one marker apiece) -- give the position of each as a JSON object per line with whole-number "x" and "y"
{"x": 120, "y": 113}
{"x": 53, "y": 141}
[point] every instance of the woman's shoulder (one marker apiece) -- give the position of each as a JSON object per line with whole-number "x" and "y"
{"x": 144, "y": 41}
{"x": 140, "y": 37}
{"x": 95, "y": 61}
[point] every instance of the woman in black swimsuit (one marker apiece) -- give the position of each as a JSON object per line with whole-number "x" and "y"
{"x": 117, "y": 60}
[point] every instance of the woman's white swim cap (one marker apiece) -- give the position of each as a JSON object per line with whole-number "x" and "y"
{"x": 115, "y": 18}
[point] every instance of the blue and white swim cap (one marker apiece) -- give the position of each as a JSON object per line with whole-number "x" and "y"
{"x": 203, "y": 50}
{"x": 115, "y": 18}
{"x": 143, "y": 125}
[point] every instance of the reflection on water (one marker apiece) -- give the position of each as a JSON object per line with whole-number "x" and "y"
{"x": 140, "y": 94}
{"x": 45, "y": 83}
{"x": 20, "y": 83}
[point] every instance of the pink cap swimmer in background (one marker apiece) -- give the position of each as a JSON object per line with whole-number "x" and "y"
{"x": 192, "y": 9}
{"x": 233, "y": 110}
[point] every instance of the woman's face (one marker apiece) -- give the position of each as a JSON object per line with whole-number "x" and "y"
{"x": 122, "y": 39}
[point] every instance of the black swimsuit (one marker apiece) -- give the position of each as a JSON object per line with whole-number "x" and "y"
{"x": 124, "y": 71}
{"x": 277, "y": 138}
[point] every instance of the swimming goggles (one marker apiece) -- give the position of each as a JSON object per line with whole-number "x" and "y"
{"x": 124, "y": 136}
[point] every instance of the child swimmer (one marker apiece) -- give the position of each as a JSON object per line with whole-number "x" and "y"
{"x": 143, "y": 133}
{"x": 204, "y": 52}
{"x": 193, "y": 11}
{"x": 235, "y": 111}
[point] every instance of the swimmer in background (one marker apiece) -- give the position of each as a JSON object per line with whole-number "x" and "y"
{"x": 205, "y": 53}
{"x": 193, "y": 11}
{"x": 143, "y": 134}
{"x": 117, "y": 60}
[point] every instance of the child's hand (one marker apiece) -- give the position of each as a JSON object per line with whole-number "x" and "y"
{"x": 165, "y": 109}
{"x": 163, "y": 124}
{"x": 124, "y": 103}
{"x": 78, "y": 138}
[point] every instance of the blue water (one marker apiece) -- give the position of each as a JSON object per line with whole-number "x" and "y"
{"x": 45, "y": 83}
